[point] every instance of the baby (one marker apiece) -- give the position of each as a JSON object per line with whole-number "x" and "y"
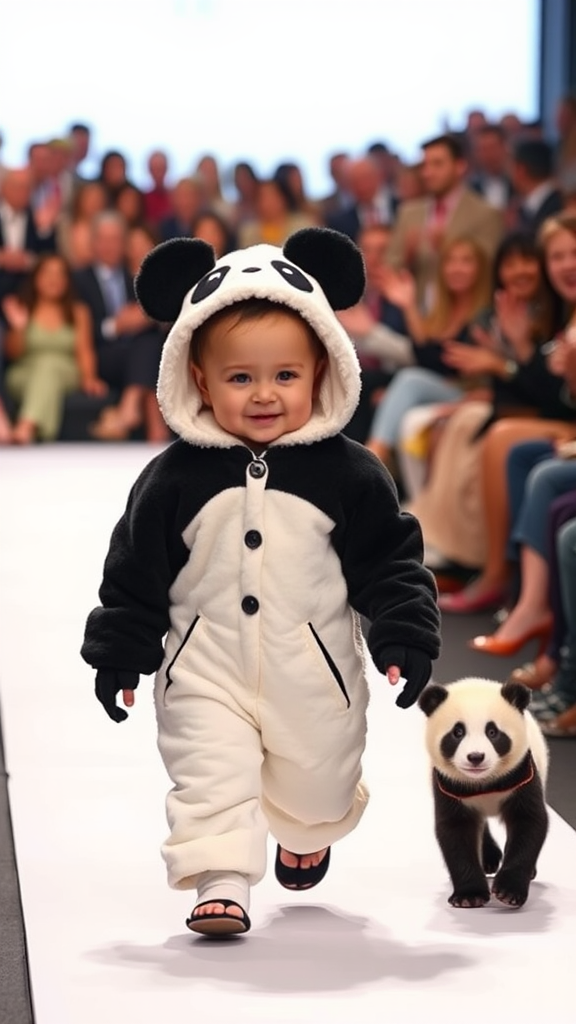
{"x": 248, "y": 550}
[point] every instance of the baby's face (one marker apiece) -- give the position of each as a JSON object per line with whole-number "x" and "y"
{"x": 260, "y": 377}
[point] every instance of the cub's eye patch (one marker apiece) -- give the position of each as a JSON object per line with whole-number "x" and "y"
{"x": 294, "y": 276}
{"x": 209, "y": 284}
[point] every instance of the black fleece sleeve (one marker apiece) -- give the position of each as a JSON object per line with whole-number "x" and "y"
{"x": 146, "y": 552}
{"x": 381, "y": 549}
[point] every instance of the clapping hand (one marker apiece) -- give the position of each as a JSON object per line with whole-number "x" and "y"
{"x": 399, "y": 287}
{"x": 15, "y": 312}
{"x": 469, "y": 359}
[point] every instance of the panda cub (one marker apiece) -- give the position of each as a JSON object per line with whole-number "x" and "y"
{"x": 489, "y": 758}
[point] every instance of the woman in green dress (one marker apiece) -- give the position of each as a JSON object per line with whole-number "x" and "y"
{"x": 50, "y": 351}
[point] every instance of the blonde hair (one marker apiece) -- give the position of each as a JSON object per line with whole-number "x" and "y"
{"x": 437, "y": 320}
{"x": 564, "y": 221}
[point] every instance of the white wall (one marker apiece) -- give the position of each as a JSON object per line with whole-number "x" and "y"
{"x": 264, "y": 80}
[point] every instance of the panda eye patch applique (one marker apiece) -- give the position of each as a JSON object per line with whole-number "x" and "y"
{"x": 209, "y": 284}
{"x": 294, "y": 276}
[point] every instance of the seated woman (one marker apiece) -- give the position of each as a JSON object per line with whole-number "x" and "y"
{"x": 75, "y": 233}
{"x": 50, "y": 349}
{"x": 213, "y": 229}
{"x": 509, "y": 335}
{"x": 277, "y": 216}
{"x": 553, "y": 380}
{"x": 462, "y": 291}
{"x": 544, "y": 500}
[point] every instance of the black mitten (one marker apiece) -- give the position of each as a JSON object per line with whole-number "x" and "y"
{"x": 109, "y": 682}
{"x": 415, "y": 666}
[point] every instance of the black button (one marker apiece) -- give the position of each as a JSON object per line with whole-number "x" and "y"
{"x": 253, "y": 539}
{"x": 257, "y": 469}
{"x": 250, "y": 605}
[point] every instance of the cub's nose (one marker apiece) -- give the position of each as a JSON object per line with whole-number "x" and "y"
{"x": 475, "y": 759}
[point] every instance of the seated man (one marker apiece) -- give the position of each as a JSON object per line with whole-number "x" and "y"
{"x": 23, "y": 234}
{"x": 449, "y": 210}
{"x": 128, "y": 344}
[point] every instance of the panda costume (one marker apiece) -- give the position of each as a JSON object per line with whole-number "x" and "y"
{"x": 239, "y": 579}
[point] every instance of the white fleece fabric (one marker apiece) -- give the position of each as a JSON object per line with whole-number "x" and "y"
{"x": 251, "y": 274}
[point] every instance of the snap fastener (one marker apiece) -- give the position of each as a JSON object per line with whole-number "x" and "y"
{"x": 257, "y": 469}
{"x": 253, "y": 539}
{"x": 250, "y": 605}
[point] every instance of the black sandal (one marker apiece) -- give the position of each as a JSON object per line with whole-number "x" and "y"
{"x": 219, "y": 924}
{"x": 300, "y": 878}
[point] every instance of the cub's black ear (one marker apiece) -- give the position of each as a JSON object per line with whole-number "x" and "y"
{"x": 432, "y": 697}
{"x": 331, "y": 258}
{"x": 517, "y": 694}
{"x": 168, "y": 272}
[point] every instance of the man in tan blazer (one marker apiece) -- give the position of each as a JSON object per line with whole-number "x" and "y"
{"x": 449, "y": 210}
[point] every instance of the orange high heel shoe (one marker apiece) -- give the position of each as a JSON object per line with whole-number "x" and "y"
{"x": 506, "y": 648}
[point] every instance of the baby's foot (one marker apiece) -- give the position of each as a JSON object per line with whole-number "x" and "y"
{"x": 305, "y": 860}
{"x": 209, "y": 909}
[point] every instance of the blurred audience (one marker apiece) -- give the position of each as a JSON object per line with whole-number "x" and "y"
{"x": 474, "y": 183}
{"x": 277, "y": 216}
{"x": 24, "y": 233}
{"x": 556, "y": 422}
{"x": 532, "y": 176}
{"x": 50, "y": 350}
{"x": 371, "y": 203}
{"x": 128, "y": 344}
{"x": 157, "y": 200}
{"x": 449, "y": 209}
{"x": 491, "y": 178}
{"x": 214, "y": 230}
{"x": 462, "y": 291}
{"x": 186, "y": 203}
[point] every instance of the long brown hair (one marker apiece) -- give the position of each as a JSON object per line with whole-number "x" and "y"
{"x": 438, "y": 319}
{"x": 29, "y": 294}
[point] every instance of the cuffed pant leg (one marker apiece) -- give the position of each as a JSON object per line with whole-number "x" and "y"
{"x": 213, "y": 755}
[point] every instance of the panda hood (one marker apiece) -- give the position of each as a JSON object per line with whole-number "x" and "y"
{"x": 317, "y": 272}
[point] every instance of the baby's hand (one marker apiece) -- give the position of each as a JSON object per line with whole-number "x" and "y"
{"x": 111, "y": 681}
{"x": 414, "y": 665}
{"x": 393, "y": 674}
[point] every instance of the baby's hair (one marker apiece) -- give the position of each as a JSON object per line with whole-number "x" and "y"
{"x": 247, "y": 309}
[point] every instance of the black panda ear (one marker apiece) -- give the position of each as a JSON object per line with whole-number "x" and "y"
{"x": 168, "y": 272}
{"x": 517, "y": 694}
{"x": 333, "y": 260}
{"x": 432, "y": 697}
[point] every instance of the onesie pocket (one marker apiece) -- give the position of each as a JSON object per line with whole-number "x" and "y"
{"x": 168, "y": 677}
{"x": 329, "y": 663}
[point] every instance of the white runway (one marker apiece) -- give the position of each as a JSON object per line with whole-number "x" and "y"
{"x": 375, "y": 943}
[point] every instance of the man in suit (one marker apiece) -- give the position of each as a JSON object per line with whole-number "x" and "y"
{"x": 128, "y": 344}
{"x": 186, "y": 204}
{"x": 371, "y": 203}
{"x": 532, "y": 174}
{"x": 23, "y": 234}
{"x": 448, "y": 210}
{"x": 491, "y": 157}
{"x": 340, "y": 199}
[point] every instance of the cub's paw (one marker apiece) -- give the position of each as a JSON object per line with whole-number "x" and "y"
{"x": 491, "y": 856}
{"x": 509, "y": 889}
{"x": 469, "y": 899}
{"x": 491, "y": 862}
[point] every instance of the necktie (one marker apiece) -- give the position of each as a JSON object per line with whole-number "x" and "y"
{"x": 440, "y": 212}
{"x": 114, "y": 293}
